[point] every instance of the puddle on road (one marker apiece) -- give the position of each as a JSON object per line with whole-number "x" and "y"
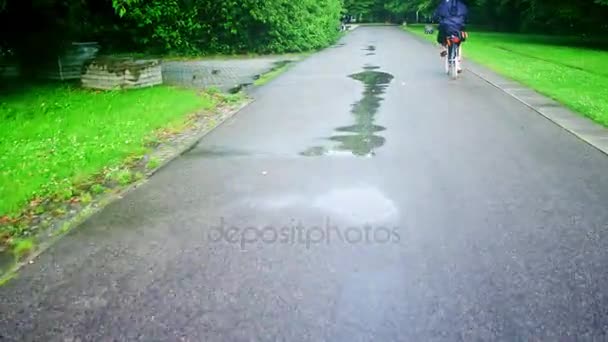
{"x": 370, "y": 48}
{"x": 357, "y": 129}
{"x": 360, "y": 139}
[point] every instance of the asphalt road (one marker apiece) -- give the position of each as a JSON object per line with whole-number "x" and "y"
{"x": 362, "y": 197}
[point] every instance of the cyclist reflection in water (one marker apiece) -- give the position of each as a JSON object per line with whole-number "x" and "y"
{"x": 452, "y": 15}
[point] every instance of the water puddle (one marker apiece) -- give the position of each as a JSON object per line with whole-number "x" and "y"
{"x": 360, "y": 139}
{"x": 370, "y": 48}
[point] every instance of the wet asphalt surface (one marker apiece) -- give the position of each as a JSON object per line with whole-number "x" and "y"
{"x": 362, "y": 197}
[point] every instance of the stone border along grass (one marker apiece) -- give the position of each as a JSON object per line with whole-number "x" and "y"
{"x": 164, "y": 153}
{"x": 578, "y": 125}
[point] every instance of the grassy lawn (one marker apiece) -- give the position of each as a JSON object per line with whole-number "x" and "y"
{"x": 54, "y": 136}
{"x": 555, "y": 66}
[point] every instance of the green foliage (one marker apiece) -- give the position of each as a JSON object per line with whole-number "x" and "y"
{"x": 153, "y": 163}
{"x": 97, "y": 189}
{"x": 298, "y": 25}
{"x": 233, "y": 26}
{"x": 22, "y": 247}
{"x": 86, "y": 198}
{"x": 544, "y": 16}
{"x": 168, "y": 24}
{"x": 121, "y": 176}
{"x": 38, "y": 29}
{"x": 41, "y": 28}
{"x": 372, "y": 10}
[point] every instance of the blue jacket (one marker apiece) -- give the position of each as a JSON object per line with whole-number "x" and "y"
{"x": 452, "y": 14}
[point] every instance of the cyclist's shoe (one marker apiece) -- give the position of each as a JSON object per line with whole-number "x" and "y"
{"x": 443, "y": 53}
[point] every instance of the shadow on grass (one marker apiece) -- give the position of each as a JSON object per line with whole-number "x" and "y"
{"x": 17, "y": 86}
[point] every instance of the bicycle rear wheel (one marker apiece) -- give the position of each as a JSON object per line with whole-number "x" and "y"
{"x": 453, "y": 61}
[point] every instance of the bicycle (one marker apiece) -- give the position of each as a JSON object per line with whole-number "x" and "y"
{"x": 452, "y": 60}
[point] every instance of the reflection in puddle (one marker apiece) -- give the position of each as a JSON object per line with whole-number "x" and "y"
{"x": 360, "y": 139}
{"x": 357, "y": 129}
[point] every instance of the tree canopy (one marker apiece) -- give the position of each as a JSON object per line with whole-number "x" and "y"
{"x": 183, "y": 26}
{"x": 547, "y": 16}
{"x": 32, "y": 28}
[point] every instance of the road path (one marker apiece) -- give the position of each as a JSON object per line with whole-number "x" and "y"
{"x": 362, "y": 197}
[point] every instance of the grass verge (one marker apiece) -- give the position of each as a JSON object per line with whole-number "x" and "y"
{"x": 60, "y": 143}
{"x": 557, "y": 67}
{"x": 279, "y": 68}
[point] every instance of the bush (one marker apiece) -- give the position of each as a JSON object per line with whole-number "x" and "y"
{"x": 299, "y": 25}
{"x": 231, "y": 26}
{"x": 38, "y": 30}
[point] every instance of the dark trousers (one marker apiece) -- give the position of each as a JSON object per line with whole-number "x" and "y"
{"x": 443, "y": 32}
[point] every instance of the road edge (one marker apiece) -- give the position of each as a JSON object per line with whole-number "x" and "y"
{"x": 575, "y": 123}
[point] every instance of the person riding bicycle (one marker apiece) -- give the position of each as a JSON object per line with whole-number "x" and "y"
{"x": 452, "y": 15}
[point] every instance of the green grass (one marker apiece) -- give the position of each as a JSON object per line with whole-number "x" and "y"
{"x": 558, "y": 67}
{"x": 56, "y": 135}
{"x": 153, "y": 163}
{"x": 22, "y": 248}
{"x": 97, "y": 189}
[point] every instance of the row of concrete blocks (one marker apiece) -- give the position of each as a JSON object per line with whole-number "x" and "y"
{"x": 100, "y": 77}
